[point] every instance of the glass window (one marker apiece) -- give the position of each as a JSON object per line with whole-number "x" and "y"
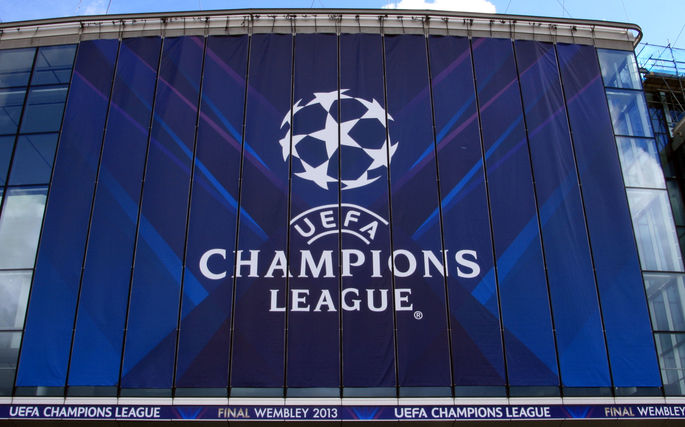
{"x": 11, "y": 101}
{"x": 20, "y": 224}
{"x": 665, "y": 292}
{"x": 6, "y": 143}
{"x": 640, "y": 163}
{"x": 14, "y": 294}
{"x": 681, "y": 239}
{"x": 671, "y": 349}
{"x": 15, "y": 66}
{"x": 629, "y": 113}
{"x": 44, "y": 108}
{"x": 619, "y": 68}
{"x": 9, "y": 350}
{"x": 53, "y": 65}
{"x": 654, "y": 229}
{"x": 676, "y": 202}
{"x": 33, "y": 159}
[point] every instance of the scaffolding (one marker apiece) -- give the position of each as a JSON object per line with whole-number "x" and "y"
{"x": 663, "y": 78}
{"x": 655, "y": 59}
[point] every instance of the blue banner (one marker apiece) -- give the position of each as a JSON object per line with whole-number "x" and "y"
{"x": 313, "y": 290}
{"x": 50, "y": 319}
{"x": 417, "y": 259}
{"x": 258, "y": 352}
{"x": 150, "y": 346}
{"x": 580, "y": 340}
{"x": 622, "y": 296}
{"x": 99, "y": 334}
{"x": 204, "y": 337}
{"x": 528, "y": 337}
{"x": 367, "y": 284}
{"x": 477, "y": 358}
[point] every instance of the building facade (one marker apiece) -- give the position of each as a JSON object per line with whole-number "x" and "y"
{"x": 337, "y": 215}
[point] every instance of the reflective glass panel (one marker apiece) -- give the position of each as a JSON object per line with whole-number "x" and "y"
{"x": 640, "y": 163}
{"x": 20, "y": 224}
{"x": 33, "y": 159}
{"x": 665, "y": 292}
{"x": 15, "y": 66}
{"x": 11, "y": 101}
{"x": 619, "y": 68}
{"x": 671, "y": 349}
{"x": 9, "y": 347}
{"x": 654, "y": 229}
{"x": 53, "y": 65}
{"x": 44, "y": 108}
{"x": 14, "y": 293}
{"x": 5, "y": 155}
{"x": 629, "y": 113}
{"x": 676, "y": 202}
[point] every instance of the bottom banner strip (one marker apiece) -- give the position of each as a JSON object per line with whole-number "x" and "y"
{"x": 340, "y": 413}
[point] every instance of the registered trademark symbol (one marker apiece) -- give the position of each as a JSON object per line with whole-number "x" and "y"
{"x": 418, "y": 315}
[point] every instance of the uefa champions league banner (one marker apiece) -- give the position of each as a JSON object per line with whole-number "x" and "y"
{"x": 341, "y": 413}
{"x": 333, "y": 211}
{"x": 322, "y": 166}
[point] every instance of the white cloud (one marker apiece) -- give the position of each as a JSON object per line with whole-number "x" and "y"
{"x": 95, "y": 7}
{"x": 483, "y": 6}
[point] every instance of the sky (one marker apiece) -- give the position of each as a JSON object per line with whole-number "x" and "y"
{"x": 662, "y": 21}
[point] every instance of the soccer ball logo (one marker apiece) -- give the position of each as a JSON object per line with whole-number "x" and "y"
{"x": 316, "y": 154}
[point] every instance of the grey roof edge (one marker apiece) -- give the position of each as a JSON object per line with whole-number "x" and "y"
{"x": 114, "y": 23}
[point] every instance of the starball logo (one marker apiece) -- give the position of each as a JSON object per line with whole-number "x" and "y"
{"x": 361, "y": 134}
{"x": 363, "y": 137}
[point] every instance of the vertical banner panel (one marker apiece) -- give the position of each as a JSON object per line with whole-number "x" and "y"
{"x": 313, "y": 318}
{"x": 259, "y": 319}
{"x": 204, "y": 337}
{"x": 422, "y": 341}
{"x": 626, "y": 319}
{"x": 528, "y": 336}
{"x": 99, "y": 335}
{"x": 477, "y": 357}
{"x": 50, "y": 320}
{"x": 368, "y": 343}
{"x": 580, "y": 339}
{"x": 155, "y": 289}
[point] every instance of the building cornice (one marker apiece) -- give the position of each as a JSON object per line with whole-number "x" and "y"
{"x": 618, "y": 35}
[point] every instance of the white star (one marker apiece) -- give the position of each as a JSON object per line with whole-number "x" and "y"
{"x": 359, "y": 182}
{"x": 318, "y": 175}
{"x": 329, "y": 135}
{"x": 295, "y": 153}
{"x": 380, "y": 155}
{"x": 374, "y": 111}
{"x": 393, "y": 148}
{"x": 345, "y": 138}
{"x": 326, "y": 99}
{"x": 296, "y": 107}
{"x": 285, "y": 145}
